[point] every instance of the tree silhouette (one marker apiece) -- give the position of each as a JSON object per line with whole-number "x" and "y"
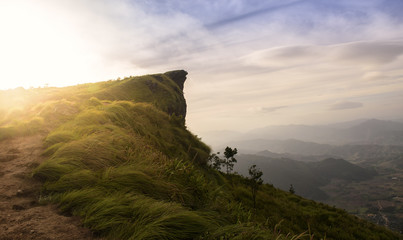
{"x": 255, "y": 182}
{"x": 216, "y": 161}
{"x": 229, "y": 160}
{"x": 291, "y": 190}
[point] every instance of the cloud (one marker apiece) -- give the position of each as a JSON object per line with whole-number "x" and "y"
{"x": 346, "y": 105}
{"x": 369, "y": 53}
{"x": 138, "y": 33}
{"x": 251, "y": 14}
{"x": 266, "y": 109}
{"x": 374, "y": 76}
{"x": 363, "y": 53}
{"x": 288, "y": 56}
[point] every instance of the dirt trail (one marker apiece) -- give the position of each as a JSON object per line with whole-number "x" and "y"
{"x": 383, "y": 216}
{"x": 21, "y": 216}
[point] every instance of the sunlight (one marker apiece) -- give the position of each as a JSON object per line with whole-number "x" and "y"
{"x": 39, "y": 45}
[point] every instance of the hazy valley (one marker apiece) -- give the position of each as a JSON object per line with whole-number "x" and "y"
{"x": 356, "y": 165}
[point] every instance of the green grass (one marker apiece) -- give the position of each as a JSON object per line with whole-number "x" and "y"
{"x": 119, "y": 156}
{"x": 129, "y": 216}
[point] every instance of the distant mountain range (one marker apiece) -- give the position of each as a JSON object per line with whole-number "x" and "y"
{"x": 306, "y": 177}
{"x": 358, "y": 132}
{"x": 369, "y": 155}
{"x": 371, "y": 131}
{"x": 363, "y": 141}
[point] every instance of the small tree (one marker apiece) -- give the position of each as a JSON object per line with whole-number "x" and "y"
{"x": 229, "y": 158}
{"x": 255, "y": 182}
{"x": 216, "y": 161}
{"x": 228, "y": 161}
{"x": 291, "y": 190}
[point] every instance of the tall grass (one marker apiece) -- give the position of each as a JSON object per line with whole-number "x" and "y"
{"x": 108, "y": 164}
{"x": 126, "y": 216}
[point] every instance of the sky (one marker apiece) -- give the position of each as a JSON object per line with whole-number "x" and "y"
{"x": 251, "y": 63}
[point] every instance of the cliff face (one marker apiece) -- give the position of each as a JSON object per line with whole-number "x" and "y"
{"x": 178, "y": 76}
{"x": 176, "y": 99}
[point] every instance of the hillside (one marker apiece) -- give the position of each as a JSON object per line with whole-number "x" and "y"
{"x": 118, "y": 156}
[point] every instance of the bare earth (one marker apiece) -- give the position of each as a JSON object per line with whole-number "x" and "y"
{"x": 21, "y": 216}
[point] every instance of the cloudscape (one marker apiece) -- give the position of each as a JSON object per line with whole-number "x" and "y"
{"x": 250, "y": 63}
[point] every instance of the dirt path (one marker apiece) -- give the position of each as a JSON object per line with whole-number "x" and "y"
{"x": 21, "y": 216}
{"x": 383, "y": 216}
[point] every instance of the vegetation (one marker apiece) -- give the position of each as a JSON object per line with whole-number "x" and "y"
{"x": 119, "y": 156}
{"x": 291, "y": 190}
{"x": 227, "y": 162}
{"x": 215, "y": 161}
{"x": 255, "y": 177}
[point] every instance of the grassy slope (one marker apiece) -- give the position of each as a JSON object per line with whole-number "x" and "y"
{"x": 120, "y": 157}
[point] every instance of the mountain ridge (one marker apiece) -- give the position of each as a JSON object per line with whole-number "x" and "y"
{"x": 118, "y": 156}
{"x": 357, "y": 132}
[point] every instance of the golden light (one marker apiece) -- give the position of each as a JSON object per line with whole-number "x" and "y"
{"x": 39, "y": 45}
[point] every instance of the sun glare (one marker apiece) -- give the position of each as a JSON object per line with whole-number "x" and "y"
{"x": 38, "y": 46}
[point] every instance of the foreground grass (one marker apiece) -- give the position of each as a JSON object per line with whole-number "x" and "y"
{"x": 120, "y": 157}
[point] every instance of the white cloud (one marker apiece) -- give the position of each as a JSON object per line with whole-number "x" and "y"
{"x": 359, "y": 53}
{"x": 285, "y": 57}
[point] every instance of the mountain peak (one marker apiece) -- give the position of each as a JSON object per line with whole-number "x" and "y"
{"x": 178, "y": 76}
